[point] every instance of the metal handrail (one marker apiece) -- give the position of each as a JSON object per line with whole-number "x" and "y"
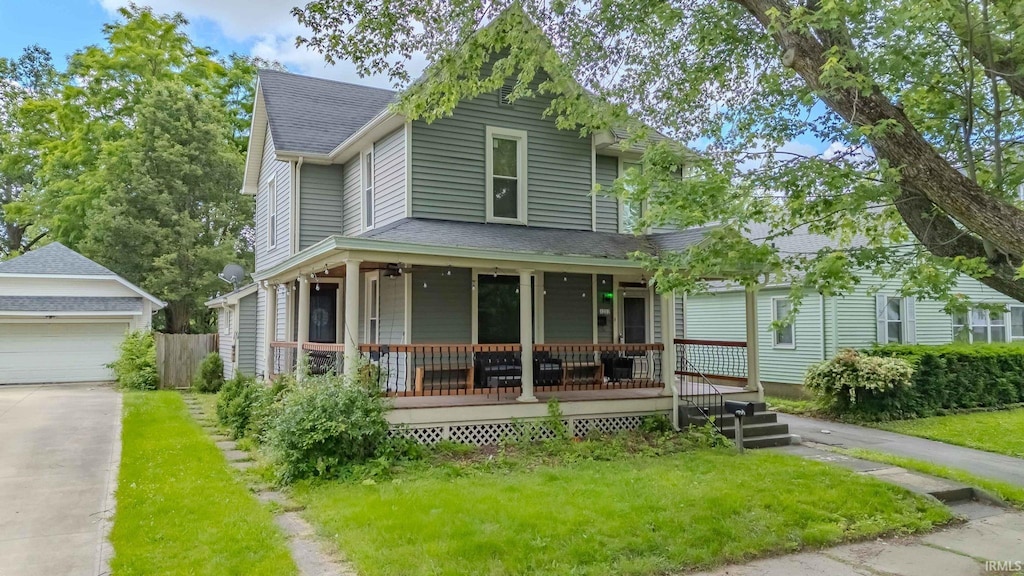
{"x": 708, "y": 401}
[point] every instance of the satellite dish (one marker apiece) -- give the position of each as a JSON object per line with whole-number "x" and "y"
{"x": 234, "y": 274}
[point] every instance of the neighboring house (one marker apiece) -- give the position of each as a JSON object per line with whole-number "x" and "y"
{"x": 62, "y": 317}
{"x": 873, "y": 313}
{"x": 468, "y": 258}
{"x": 236, "y": 327}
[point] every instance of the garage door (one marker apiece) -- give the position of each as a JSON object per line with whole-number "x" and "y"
{"x": 58, "y": 352}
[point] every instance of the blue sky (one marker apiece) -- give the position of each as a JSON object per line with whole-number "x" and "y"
{"x": 259, "y": 27}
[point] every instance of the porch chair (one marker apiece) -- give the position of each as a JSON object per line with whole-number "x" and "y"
{"x": 617, "y": 366}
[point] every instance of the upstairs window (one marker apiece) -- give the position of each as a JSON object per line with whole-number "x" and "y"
{"x": 272, "y": 213}
{"x": 784, "y": 336}
{"x": 506, "y": 175}
{"x": 368, "y": 189}
{"x": 630, "y": 211}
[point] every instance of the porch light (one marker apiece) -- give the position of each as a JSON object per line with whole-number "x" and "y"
{"x": 517, "y": 289}
{"x": 317, "y": 286}
{"x": 449, "y": 271}
{"x": 424, "y": 284}
{"x": 327, "y": 271}
{"x": 495, "y": 271}
{"x": 565, "y": 278}
{"x": 584, "y": 295}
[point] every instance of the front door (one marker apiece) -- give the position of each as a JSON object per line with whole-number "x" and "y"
{"x": 323, "y": 313}
{"x": 634, "y": 320}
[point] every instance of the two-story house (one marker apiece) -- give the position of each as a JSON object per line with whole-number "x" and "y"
{"x": 468, "y": 260}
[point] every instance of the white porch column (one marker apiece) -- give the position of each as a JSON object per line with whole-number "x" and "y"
{"x": 303, "y": 330}
{"x": 753, "y": 350}
{"x": 351, "y": 315}
{"x": 526, "y": 335}
{"x": 668, "y": 336}
{"x": 269, "y": 330}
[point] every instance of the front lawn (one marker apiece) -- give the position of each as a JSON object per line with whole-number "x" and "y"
{"x": 989, "y": 431}
{"x": 179, "y": 508}
{"x": 641, "y": 515}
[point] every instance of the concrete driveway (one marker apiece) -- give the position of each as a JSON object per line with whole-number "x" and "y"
{"x": 59, "y": 450}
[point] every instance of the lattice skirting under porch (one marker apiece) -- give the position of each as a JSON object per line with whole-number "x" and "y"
{"x": 490, "y": 433}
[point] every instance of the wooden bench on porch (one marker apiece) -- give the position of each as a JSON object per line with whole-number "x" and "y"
{"x": 463, "y": 368}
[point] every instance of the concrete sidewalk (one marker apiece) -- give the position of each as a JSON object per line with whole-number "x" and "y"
{"x": 58, "y": 464}
{"x": 986, "y": 464}
{"x": 962, "y": 550}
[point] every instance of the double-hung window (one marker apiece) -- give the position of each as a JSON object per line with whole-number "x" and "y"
{"x": 630, "y": 211}
{"x": 272, "y": 213}
{"x": 983, "y": 325}
{"x": 373, "y": 308}
{"x": 783, "y": 336}
{"x": 368, "y": 200}
{"x": 506, "y": 175}
{"x": 1016, "y": 323}
{"x": 896, "y": 319}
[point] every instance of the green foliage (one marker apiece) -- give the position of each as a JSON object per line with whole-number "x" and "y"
{"x": 859, "y": 385}
{"x": 210, "y": 376}
{"x": 240, "y": 402}
{"x": 655, "y": 424}
{"x": 135, "y": 367}
{"x": 989, "y": 430}
{"x": 958, "y": 376}
{"x": 327, "y": 423}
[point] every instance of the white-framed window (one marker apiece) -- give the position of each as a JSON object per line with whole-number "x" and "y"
{"x": 272, "y": 212}
{"x": 896, "y": 319}
{"x": 981, "y": 325}
{"x": 783, "y": 336}
{"x": 893, "y": 318}
{"x": 1016, "y": 323}
{"x": 506, "y": 175}
{"x": 630, "y": 212}
{"x": 372, "y": 308}
{"x": 368, "y": 200}
{"x": 229, "y": 319}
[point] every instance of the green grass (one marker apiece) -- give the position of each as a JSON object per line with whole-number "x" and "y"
{"x": 179, "y": 508}
{"x": 804, "y": 407}
{"x": 629, "y": 516}
{"x": 1010, "y": 493}
{"x": 990, "y": 431}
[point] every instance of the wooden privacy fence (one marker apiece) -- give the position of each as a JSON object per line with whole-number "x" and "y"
{"x": 178, "y": 357}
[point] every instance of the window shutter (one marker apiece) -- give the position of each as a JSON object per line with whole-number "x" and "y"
{"x": 880, "y": 332}
{"x": 909, "y": 320}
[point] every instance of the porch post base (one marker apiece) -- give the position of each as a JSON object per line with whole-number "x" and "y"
{"x": 525, "y": 398}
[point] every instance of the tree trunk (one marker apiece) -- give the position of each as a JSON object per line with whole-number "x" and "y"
{"x": 932, "y": 192}
{"x": 178, "y": 317}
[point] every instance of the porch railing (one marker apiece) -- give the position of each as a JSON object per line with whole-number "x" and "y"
{"x": 596, "y": 366}
{"x": 324, "y": 358}
{"x": 444, "y": 369}
{"x": 283, "y": 358}
{"x": 718, "y": 360}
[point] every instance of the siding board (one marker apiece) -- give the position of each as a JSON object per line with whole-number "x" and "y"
{"x": 320, "y": 203}
{"x": 568, "y": 315}
{"x": 441, "y": 311}
{"x": 281, "y": 173}
{"x": 390, "y": 182}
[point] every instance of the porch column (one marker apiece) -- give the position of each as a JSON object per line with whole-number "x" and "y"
{"x": 753, "y": 354}
{"x": 526, "y": 335}
{"x": 269, "y": 330}
{"x": 351, "y": 315}
{"x": 668, "y": 336}
{"x": 303, "y": 329}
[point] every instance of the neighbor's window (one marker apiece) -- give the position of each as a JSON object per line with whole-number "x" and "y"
{"x": 368, "y": 189}
{"x": 272, "y": 212}
{"x": 894, "y": 320}
{"x": 506, "y": 175}
{"x": 1017, "y": 322}
{"x": 784, "y": 337}
{"x": 981, "y": 325}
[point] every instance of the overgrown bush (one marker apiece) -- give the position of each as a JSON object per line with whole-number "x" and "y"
{"x": 326, "y": 423}
{"x": 855, "y": 384}
{"x": 210, "y": 376}
{"x": 240, "y": 404}
{"x": 960, "y": 376}
{"x": 135, "y": 367}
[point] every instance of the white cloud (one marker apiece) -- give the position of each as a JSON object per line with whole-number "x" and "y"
{"x": 266, "y": 27}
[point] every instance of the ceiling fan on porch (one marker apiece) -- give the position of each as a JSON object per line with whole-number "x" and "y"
{"x": 392, "y": 270}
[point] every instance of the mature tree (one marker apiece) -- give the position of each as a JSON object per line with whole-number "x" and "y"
{"x": 172, "y": 214}
{"x": 921, "y": 101}
{"x": 23, "y": 81}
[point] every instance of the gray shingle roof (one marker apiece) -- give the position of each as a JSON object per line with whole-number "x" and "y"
{"x": 70, "y": 304}
{"x": 680, "y": 240}
{"x": 511, "y": 238}
{"x": 54, "y": 258}
{"x": 314, "y": 115}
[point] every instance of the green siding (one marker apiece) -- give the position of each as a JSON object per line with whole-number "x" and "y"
{"x": 320, "y": 203}
{"x": 441, "y": 310}
{"x": 247, "y": 335}
{"x": 568, "y": 308}
{"x": 448, "y": 165}
{"x": 352, "y": 208}
{"x": 607, "y": 170}
{"x": 389, "y": 185}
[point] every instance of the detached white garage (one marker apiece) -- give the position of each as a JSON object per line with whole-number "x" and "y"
{"x": 62, "y": 317}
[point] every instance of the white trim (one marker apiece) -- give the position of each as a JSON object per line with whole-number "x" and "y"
{"x": 295, "y": 193}
{"x": 372, "y": 308}
{"x": 258, "y": 129}
{"x": 522, "y": 186}
{"x": 107, "y": 277}
{"x": 623, "y": 292}
{"x": 407, "y": 317}
{"x": 792, "y": 326}
{"x": 538, "y": 307}
{"x": 408, "y": 169}
{"x": 272, "y": 193}
{"x": 593, "y": 185}
{"x": 366, "y": 130}
{"x": 372, "y": 153}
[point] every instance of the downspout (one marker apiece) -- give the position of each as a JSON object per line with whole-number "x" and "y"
{"x": 297, "y": 200}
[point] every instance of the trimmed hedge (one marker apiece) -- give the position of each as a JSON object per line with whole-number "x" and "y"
{"x": 953, "y": 377}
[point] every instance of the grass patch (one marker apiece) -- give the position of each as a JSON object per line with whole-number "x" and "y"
{"x": 179, "y": 508}
{"x": 638, "y": 514}
{"x": 997, "y": 431}
{"x": 1010, "y": 493}
{"x": 806, "y": 407}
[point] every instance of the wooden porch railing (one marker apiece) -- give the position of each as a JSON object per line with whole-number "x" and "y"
{"x": 588, "y": 366}
{"x": 283, "y": 358}
{"x": 721, "y": 360}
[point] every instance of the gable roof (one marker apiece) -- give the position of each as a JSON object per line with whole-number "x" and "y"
{"x": 313, "y": 115}
{"x": 117, "y": 304}
{"x": 53, "y": 259}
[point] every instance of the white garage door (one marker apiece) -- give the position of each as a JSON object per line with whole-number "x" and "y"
{"x": 58, "y": 352}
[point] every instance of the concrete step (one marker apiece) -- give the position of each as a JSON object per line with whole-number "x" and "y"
{"x": 754, "y": 430}
{"x": 768, "y": 441}
{"x": 729, "y": 421}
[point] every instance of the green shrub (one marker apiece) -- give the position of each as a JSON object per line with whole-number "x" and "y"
{"x": 961, "y": 376}
{"x": 855, "y": 384}
{"x": 135, "y": 367}
{"x": 240, "y": 400}
{"x": 655, "y": 424}
{"x": 326, "y": 423}
{"x": 210, "y": 376}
